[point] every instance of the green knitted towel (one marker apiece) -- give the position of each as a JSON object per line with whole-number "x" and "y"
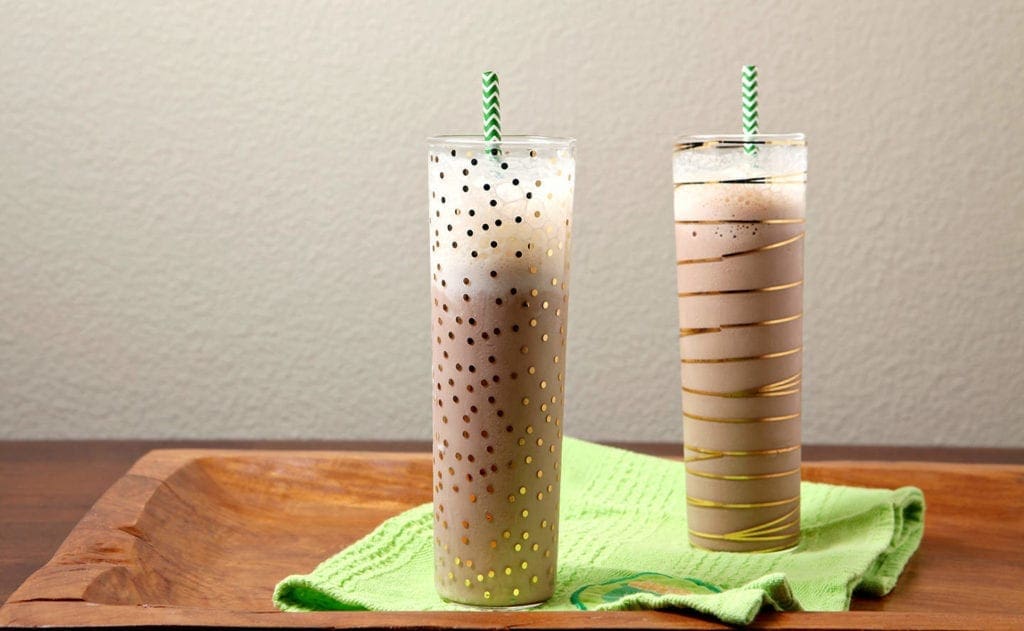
{"x": 623, "y": 545}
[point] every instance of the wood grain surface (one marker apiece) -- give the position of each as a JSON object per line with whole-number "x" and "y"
{"x": 199, "y": 537}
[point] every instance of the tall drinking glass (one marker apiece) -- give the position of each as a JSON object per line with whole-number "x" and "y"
{"x": 739, "y": 229}
{"x": 500, "y": 224}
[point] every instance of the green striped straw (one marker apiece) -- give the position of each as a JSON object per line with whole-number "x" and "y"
{"x": 750, "y": 106}
{"x": 491, "y": 107}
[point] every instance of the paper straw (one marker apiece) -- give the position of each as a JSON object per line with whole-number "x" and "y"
{"x": 491, "y": 107}
{"x": 750, "y": 106}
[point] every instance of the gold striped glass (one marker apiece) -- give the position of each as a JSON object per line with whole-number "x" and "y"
{"x": 739, "y": 229}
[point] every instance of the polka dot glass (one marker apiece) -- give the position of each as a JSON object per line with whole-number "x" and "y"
{"x": 500, "y": 226}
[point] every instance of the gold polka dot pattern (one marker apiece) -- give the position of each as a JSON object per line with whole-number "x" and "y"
{"x": 499, "y": 271}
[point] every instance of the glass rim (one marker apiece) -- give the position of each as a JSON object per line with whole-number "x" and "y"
{"x": 471, "y": 141}
{"x": 725, "y": 141}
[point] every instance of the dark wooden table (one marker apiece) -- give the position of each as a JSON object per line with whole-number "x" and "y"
{"x": 46, "y": 487}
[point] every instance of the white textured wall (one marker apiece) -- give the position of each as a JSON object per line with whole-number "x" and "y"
{"x": 213, "y": 218}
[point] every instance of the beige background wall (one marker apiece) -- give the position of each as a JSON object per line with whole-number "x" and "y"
{"x": 213, "y": 221}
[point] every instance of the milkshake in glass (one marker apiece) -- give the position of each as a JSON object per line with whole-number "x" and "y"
{"x": 739, "y": 211}
{"x": 500, "y": 223}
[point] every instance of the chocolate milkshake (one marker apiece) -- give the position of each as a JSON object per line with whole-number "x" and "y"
{"x": 500, "y": 221}
{"x": 739, "y": 247}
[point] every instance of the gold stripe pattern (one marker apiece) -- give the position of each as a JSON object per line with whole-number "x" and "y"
{"x": 743, "y": 478}
{"x": 711, "y": 329}
{"x": 719, "y": 222}
{"x": 770, "y": 519}
{"x": 789, "y": 385}
{"x": 764, "y": 322}
{"x": 757, "y": 551}
{"x": 716, "y": 329}
{"x": 748, "y": 538}
{"x": 799, "y": 177}
{"x": 755, "y": 419}
{"x": 743, "y": 359}
{"x": 727, "y": 143}
{"x": 696, "y": 501}
{"x": 742, "y": 395}
{"x": 712, "y": 454}
{"x": 763, "y": 248}
{"x": 757, "y": 290}
{"x": 760, "y": 532}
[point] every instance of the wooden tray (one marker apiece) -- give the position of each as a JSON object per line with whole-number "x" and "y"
{"x": 200, "y": 537}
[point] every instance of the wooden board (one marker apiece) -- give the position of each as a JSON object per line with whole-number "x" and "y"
{"x": 200, "y": 537}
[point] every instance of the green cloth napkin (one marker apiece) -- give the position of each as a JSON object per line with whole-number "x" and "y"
{"x": 623, "y": 545}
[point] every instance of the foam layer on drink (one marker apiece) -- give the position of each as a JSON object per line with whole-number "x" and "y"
{"x": 739, "y": 247}
{"x": 508, "y": 213}
{"x": 500, "y": 232}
